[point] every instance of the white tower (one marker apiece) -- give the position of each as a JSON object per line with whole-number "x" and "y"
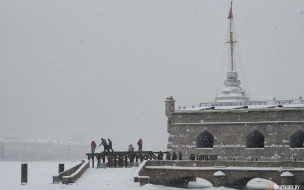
{"x": 232, "y": 92}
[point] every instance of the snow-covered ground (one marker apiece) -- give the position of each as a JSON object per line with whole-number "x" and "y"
{"x": 40, "y": 178}
{"x": 258, "y": 183}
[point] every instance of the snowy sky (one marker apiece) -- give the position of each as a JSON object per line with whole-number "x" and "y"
{"x": 104, "y": 68}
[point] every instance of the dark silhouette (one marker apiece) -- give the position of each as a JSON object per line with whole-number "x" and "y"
{"x": 297, "y": 139}
{"x": 205, "y": 140}
{"x": 192, "y": 156}
{"x": 160, "y": 155}
{"x": 110, "y": 145}
{"x": 105, "y": 145}
{"x": 139, "y": 143}
{"x": 174, "y": 156}
{"x": 168, "y": 156}
{"x": 255, "y": 140}
{"x": 93, "y": 146}
{"x": 180, "y": 155}
{"x": 131, "y": 148}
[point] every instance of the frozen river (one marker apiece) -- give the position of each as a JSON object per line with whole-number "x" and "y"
{"x": 40, "y": 178}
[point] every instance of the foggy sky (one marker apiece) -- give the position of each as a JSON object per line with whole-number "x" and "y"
{"x": 104, "y": 68}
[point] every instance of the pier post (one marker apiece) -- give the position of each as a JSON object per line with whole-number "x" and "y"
{"x": 115, "y": 161}
{"x": 61, "y": 168}
{"x": 92, "y": 161}
{"x": 126, "y": 161}
{"x": 23, "y": 173}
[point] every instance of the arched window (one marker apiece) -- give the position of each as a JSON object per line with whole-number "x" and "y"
{"x": 204, "y": 140}
{"x": 255, "y": 140}
{"x": 297, "y": 139}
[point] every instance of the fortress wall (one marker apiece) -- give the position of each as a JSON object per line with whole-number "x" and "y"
{"x": 242, "y": 115}
{"x": 230, "y": 138}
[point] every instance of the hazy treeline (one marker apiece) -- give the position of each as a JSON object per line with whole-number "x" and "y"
{"x": 41, "y": 150}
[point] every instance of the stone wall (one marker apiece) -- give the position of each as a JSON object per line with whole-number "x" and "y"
{"x": 64, "y": 176}
{"x": 237, "y": 173}
{"x": 230, "y": 130}
{"x": 239, "y": 115}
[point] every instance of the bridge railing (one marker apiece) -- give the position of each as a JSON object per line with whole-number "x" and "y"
{"x": 121, "y": 159}
{"x": 206, "y": 157}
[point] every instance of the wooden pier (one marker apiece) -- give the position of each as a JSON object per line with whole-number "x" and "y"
{"x": 121, "y": 159}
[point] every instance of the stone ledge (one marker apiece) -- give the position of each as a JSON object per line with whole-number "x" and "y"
{"x": 77, "y": 174}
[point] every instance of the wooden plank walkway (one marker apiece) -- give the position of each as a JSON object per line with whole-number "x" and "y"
{"x": 120, "y": 159}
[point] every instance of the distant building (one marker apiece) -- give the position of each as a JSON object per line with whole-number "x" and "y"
{"x": 41, "y": 150}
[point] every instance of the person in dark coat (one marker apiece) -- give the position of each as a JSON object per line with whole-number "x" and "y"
{"x": 110, "y": 145}
{"x": 192, "y": 156}
{"x": 180, "y": 155}
{"x": 139, "y": 143}
{"x": 160, "y": 155}
{"x": 174, "y": 156}
{"x": 93, "y": 146}
{"x": 168, "y": 156}
{"x": 105, "y": 145}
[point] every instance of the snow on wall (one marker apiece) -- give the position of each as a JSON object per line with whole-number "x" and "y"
{"x": 219, "y": 173}
{"x": 287, "y": 174}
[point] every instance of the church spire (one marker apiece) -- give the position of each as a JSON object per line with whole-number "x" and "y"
{"x": 231, "y": 41}
{"x": 232, "y": 92}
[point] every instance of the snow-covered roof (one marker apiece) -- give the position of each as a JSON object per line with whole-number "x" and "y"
{"x": 198, "y": 108}
{"x": 228, "y": 107}
{"x": 293, "y": 105}
{"x": 243, "y": 107}
{"x": 261, "y": 106}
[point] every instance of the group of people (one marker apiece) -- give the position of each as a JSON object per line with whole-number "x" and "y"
{"x": 106, "y": 147}
{"x": 168, "y": 156}
{"x": 139, "y": 143}
{"x": 174, "y": 156}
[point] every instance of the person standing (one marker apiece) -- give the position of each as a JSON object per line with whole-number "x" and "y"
{"x": 192, "y": 156}
{"x": 139, "y": 143}
{"x": 174, "y": 156}
{"x": 105, "y": 145}
{"x": 130, "y": 149}
{"x": 168, "y": 156}
{"x": 180, "y": 155}
{"x": 110, "y": 145}
{"x": 160, "y": 155}
{"x": 93, "y": 146}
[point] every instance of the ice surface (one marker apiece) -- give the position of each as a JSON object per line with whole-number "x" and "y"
{"x": 40, "y": 177}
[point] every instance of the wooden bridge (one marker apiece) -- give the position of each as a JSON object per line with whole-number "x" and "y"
{"x": 121, "y": 159}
